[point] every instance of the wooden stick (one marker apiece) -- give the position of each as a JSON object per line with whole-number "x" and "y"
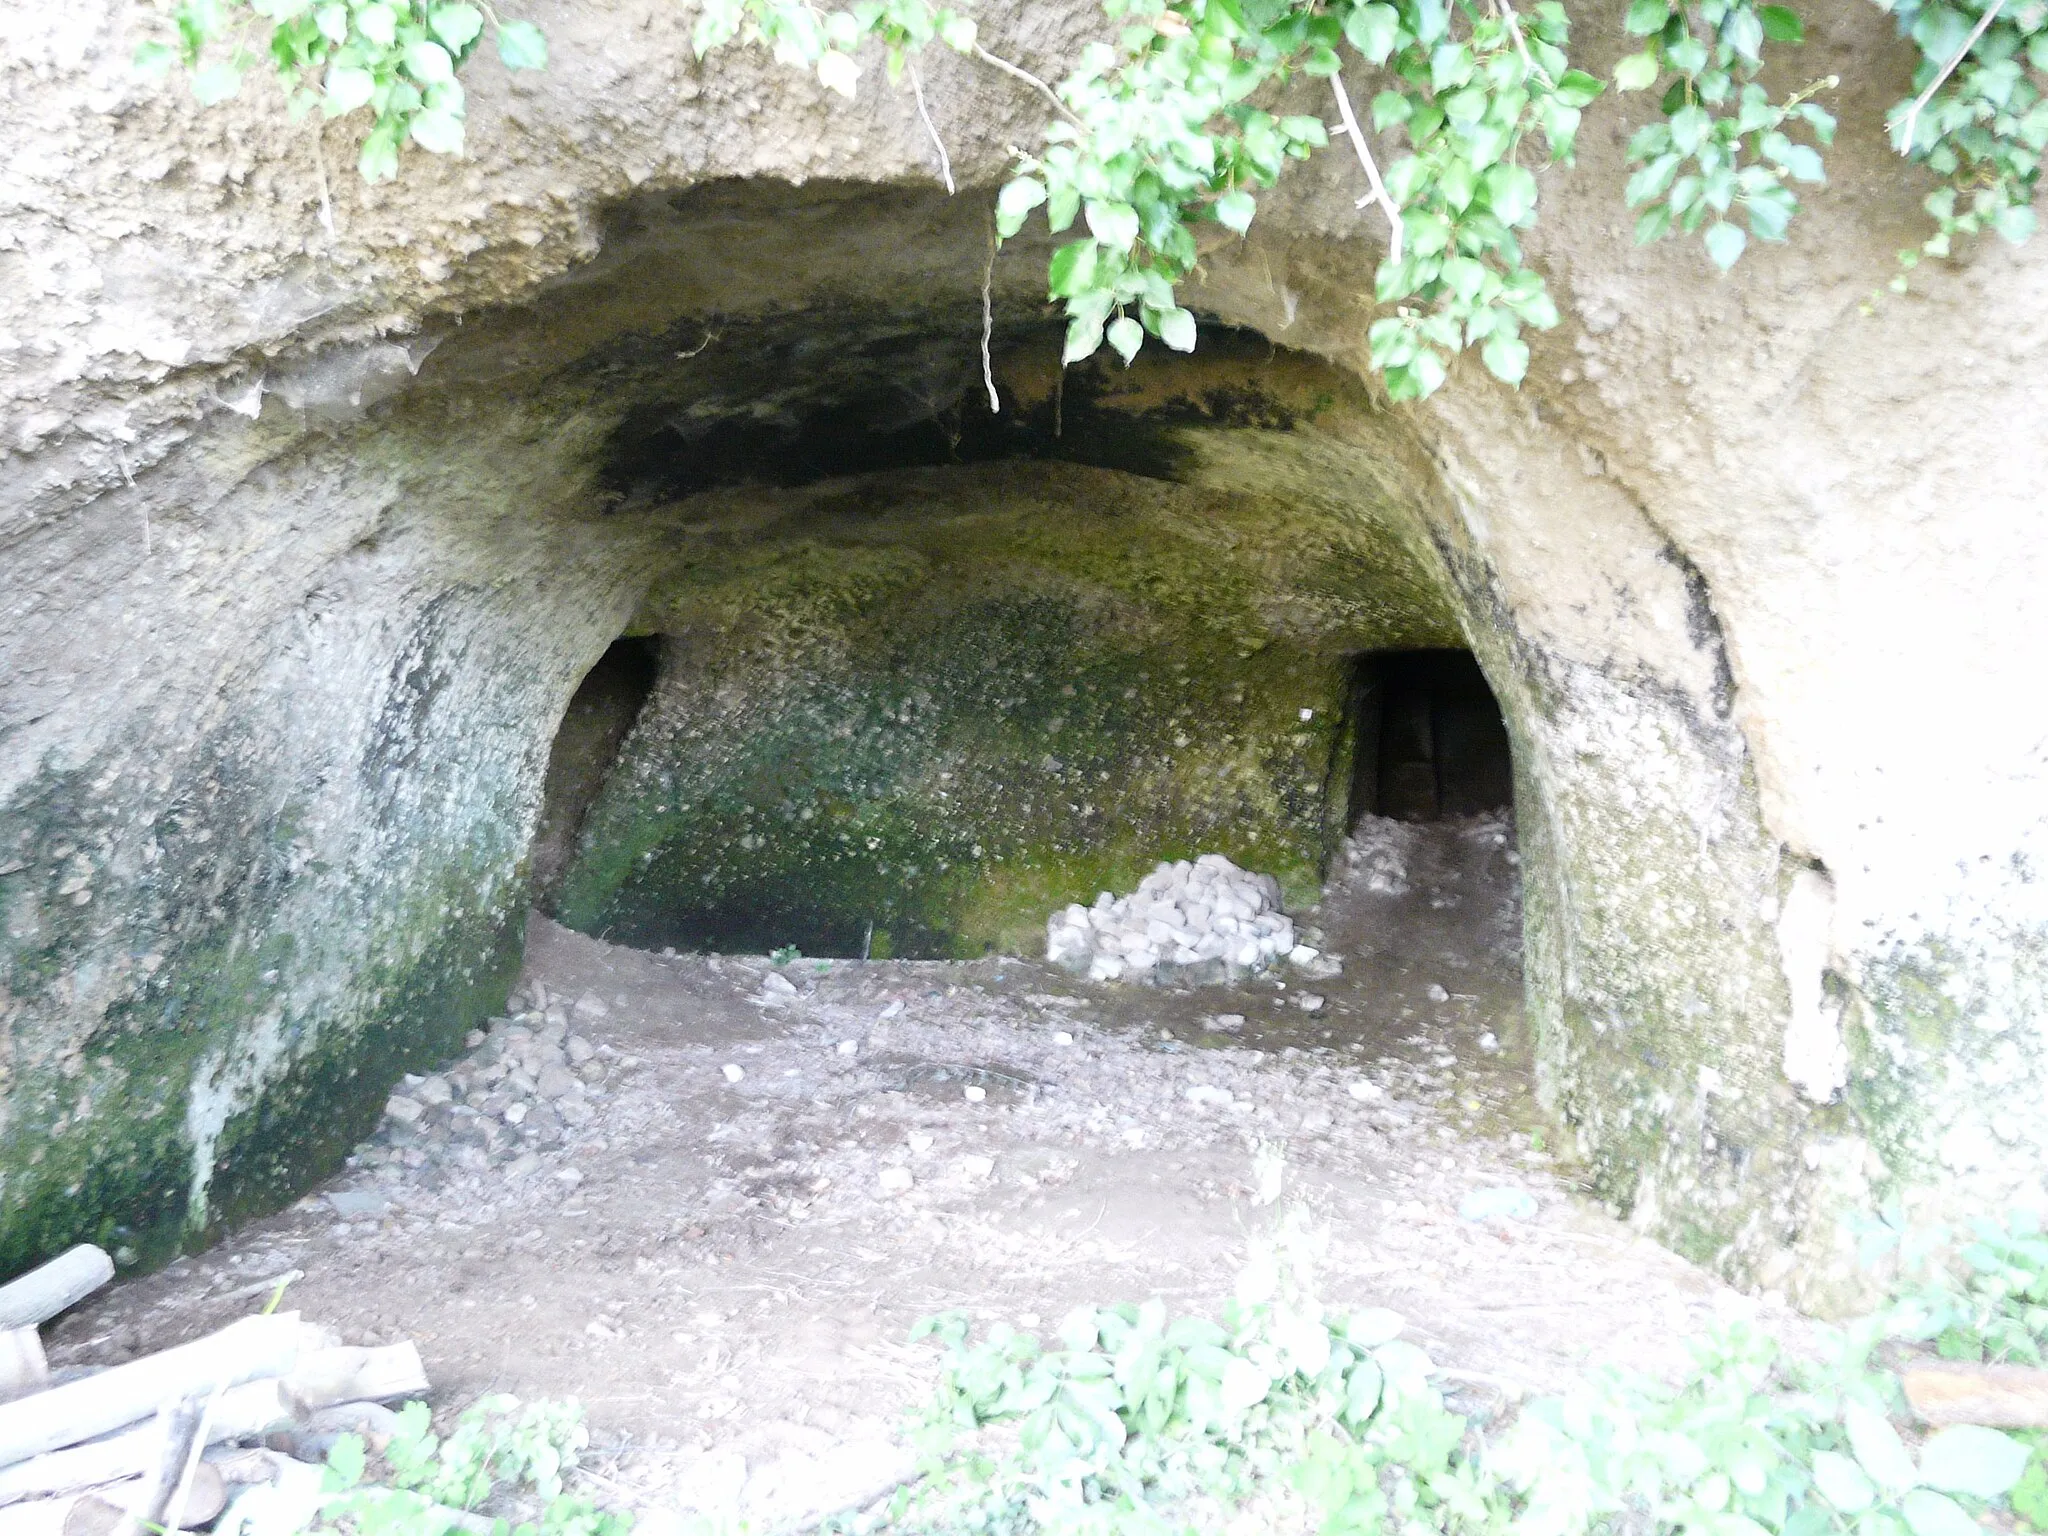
{"x": 1999, "y": 1396}
{"x": 64, "y": 1282}
{"x": 247, "y": 1350}
{"x": 322, "y": 1379}
{"x": 1378, "y": 194}
{"x": 242, "y": 1412}
{"x": 23, "y": 1369}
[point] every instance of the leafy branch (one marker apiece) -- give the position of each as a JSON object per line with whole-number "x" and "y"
{"x": 396, "y": 59}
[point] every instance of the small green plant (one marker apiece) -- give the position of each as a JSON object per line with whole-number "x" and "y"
{"x": 1140, "y": 1425}
{"x": 1990, "y": 1301}
{"x": 395, "y": 59}
{"x": 499, "y": 1448}
{"x": 788, "y": 954}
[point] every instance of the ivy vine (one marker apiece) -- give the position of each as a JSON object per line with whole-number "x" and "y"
{"x": 1169, "y": 128}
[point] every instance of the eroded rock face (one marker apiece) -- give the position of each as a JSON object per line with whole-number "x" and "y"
{"x": 300, "y": 572}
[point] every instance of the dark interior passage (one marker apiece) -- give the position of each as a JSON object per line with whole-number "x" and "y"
{"x": 1431, "y": 742}
{"x": 586, "y": 747}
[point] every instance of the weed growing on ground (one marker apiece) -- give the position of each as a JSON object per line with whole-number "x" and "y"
{"x": 431, "y": 1485}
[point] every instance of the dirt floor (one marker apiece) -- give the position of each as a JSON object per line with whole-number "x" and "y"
{"x": 770, "y": 1184}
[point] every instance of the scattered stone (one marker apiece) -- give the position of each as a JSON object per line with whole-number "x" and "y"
{"x": 571, "y": 1177}
{"x": 733, "y": 1071}
{"x": 1199, "y": 921}
{"x": 524, "y": 1166}
{"x": 404, "y": 1110}
{"x": 1061, "y": 1037}
{"x": 558, "y": 1082}
{"x": 1437, "y": 994}
{"x": 1202, "y": 1093}
{"x": 775, "y": 986}
{"x": 355, "y": 1204}
{"x": 892, "y": 1010}
{"x": 1308, "y": 1002}
{"x": 578, "y": 1050}
{"x": 1488, "y": 1042}
{"x": 588, "y": 1006}
{"x": 515, "y": 1114}
{"x": 1365, "y": 1092}
{"x": 1498, "y": 1204}
{"x": 895, "y": 1180}
{"x": 975, "y": 1094}
{"x": 921, "y": 1141}
{"x": 849, "y": 1047}
{"x": 976, "y": 1166}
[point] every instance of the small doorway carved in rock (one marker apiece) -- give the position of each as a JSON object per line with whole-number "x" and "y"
{"x": 1431, "y": 742}
{"x": 587, "y": 743}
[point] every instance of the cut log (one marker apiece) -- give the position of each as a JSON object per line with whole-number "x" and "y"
{"x": 1998, "y": 1396}
{"x": 242, "y": 1413}
{"x": 101, "y": 1512}
{"x": 22, "y": 1367}
{"x": 248, "y": 1350}
{"x": 322, "y": 1379}
{"x": 357, "y": 1375}
{"x": 64, "y": 1282}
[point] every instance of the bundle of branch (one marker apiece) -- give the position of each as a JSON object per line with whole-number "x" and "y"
{"x": 126, "y": 1449}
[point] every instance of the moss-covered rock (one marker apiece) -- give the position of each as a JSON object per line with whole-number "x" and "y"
{"x": 946, "y": 702}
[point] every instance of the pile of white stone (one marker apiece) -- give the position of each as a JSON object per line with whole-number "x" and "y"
{"x": 1206, "y": 916}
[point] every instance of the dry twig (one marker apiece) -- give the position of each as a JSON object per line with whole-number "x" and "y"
{"x": 1379, "y": 192}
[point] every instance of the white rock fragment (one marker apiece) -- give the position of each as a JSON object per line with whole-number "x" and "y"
{"x": 1364, "y": 1091}
{"x": 848, "y": 1047}
{"x": 1437, "y": 994}
{"x": 921, "y": 1141}
{"x": 895, "y": 1181}
{"x": 1061, "y": 1037}
{"x": 1308, "y": 1002}
{"x": 974, "y": 1093}
{"x": 776, "y": 986}
{"x": 1206, "y": 913}
{"x": 1203, "y": 1093}
{"x": 404, "y": 1110}
{"x": 734, "y": 1071}
{"x": 892, "y": 1010}
{"x": 975, "y": 1166}
{"x": 1488, "y": 1042}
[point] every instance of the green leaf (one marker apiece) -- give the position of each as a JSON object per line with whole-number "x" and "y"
{"x": 1936, "y": 1514}
{"x": 1967, "y": 1459}
{"x": 1234, "y": 210}
{"x": 1113, "y": 224}
{"x": 347, "y": 88}
{"x": 438, "y": 132}
{"x": 1506, "y": 358}
{"x": 1511, "y": 190}
{"x": 521, "y": 45}
{"x": 1126, "y": 335}
{"x": 1725, "y": 244}
{"x": 154, "y": 59}
{"x": 216, "y": 82}
{"x": 2016, "y": 223}
{"x": 1803, "y": 163}
{"x": 429, "y": 63}
{"x": 1072, "y": 271}
{"x": 1689, "y": 128}
{"x": 1177, "y": 329}
{"x": 345, "y": 1463}
{"x": 379, "y": 158}
{"x": 1646, "y": 16}
{"x": 838, "y": 72}
{"x": 1372, "y": 30}
{"x": 1015, "y": 202}
{"x": 1576, "y": 88}
{"x": 1781, "y": 24}
{"x": 1842, "y": 1482}
{"x": 456, "y": 26}
{"x": 1877, "y": 1445}
{"x": 1637, "y": 72}
{"x": 378, "y": 24}
{"x": 957, "y": 32}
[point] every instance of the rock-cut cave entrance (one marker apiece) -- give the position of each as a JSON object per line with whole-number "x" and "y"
{"x": 1430, "y": 739}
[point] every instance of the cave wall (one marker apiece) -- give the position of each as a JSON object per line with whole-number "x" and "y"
{"x": 950, "y": 701}
{"x": 1749, "y": 561}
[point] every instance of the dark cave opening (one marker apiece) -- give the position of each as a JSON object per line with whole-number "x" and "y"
{"x": 586, "y": 747}
{"x": 1430, "y": 742}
